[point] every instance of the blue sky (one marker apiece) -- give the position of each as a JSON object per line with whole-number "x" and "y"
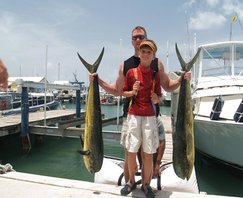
{"x": 27, "y": 27}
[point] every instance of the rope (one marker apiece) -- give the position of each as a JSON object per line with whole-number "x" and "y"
{"x": 6, "y": 168}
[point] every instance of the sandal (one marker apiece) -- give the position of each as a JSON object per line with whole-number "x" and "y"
{"x": 148, "y": 191}
{"x": 128, "y": 188}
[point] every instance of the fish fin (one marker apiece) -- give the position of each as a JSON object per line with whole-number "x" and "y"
{"x": 84, "y": 152}
{"x": 186, "y": 66}
{"x": 92, "y": 68}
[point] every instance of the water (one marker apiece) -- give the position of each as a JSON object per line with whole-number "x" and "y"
{"x": 58, "y": 157}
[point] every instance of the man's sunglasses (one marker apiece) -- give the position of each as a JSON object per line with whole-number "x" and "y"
{"x": 140, "y": 37}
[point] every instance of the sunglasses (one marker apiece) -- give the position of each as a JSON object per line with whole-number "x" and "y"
{"x": 140, "y": 37}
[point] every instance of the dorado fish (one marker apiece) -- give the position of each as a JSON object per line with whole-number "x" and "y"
{"x": 183, "y": 136}
{"x": 92, "y": 139}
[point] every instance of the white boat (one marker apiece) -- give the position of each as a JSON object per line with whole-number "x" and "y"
{"x": 112, "y": 170}
{"x": 108, "y": 99}
{"x": 217, "y": 92}
{"x": 10, "y": 103}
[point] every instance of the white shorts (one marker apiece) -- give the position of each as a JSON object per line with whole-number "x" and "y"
{"x": 124, "y": 130}
{"x": 142, "y": 131}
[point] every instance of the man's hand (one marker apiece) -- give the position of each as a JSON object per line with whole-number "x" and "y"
{"x": 187, "y": 75}
{"x": 155, "y": 99}
{"x": 156, "y": 171}
{"x": 92, "y": 76}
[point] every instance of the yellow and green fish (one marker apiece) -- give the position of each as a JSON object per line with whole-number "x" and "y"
{"x": 183, "y": 136}
{"x": 92, "y": 140}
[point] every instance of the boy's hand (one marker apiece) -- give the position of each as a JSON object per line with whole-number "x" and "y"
{"x": 135, "y": 87}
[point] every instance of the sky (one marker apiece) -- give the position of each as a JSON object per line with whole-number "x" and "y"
{"x": 40, "y": 34}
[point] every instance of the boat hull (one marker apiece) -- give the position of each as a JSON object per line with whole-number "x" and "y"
{"x": 49, "y": 106}
{"x": 221, "y": 140}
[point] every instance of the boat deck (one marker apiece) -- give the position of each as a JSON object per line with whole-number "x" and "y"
{"x": 16, "y": 184}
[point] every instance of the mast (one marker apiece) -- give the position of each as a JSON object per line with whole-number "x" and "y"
{"x": 118, "y": 101}
{"x": 45, "y": 86}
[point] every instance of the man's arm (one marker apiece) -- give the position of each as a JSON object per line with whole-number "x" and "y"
{"x": 115, "y": 88}
{"x": 3, "y": 75}
{"x": 167, "y": 83}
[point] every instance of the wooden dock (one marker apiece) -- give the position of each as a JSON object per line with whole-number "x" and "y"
{"x": 12, "y": 124}
{"x": 60, "y": 122}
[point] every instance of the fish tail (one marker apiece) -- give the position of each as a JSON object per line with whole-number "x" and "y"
{"x": 186, "y": 66}
{"x": 92, "y": 68}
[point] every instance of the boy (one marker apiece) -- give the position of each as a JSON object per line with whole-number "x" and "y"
{"x": 142, "y": 87}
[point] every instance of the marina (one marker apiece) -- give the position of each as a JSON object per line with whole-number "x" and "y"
{"x": 60, "y": 132}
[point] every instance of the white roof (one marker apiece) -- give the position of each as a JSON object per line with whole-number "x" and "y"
{"x": 61, "y": 82}
{"x": 29, "y": 79}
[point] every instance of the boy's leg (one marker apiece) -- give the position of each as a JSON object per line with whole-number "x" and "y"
{"x": 150, "y": 144}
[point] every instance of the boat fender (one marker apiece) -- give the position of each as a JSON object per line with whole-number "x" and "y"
{"x": 217, "y": 108}
{"x": 238, "y": 117}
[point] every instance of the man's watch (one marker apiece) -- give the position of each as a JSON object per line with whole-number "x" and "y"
{"x": 158, "y": 162}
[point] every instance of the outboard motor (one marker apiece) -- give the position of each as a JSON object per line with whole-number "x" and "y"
{"x": 217, "y": 108}
{"x": 238, "y": 117}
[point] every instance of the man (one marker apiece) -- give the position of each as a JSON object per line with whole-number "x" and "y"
{"x": 3, "y": 76}
{"x": 138, "y": 35}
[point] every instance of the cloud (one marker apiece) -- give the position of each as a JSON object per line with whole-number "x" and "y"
{"x": 232, "y": 8}
{"x": 206, "y": 20}
{"x": 23, "y": 45}
{"x": 212, "y": 3}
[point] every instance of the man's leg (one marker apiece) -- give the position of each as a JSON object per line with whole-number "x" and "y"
{"x": 157, "y": 157}
{"x": 147, "y": 164}
{"x": 122, "y": 141}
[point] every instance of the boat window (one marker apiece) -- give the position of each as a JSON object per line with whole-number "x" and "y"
{"x": 238, "y": 60}
{"x": 222, "y": 61}
{"x": 216, "y": 61}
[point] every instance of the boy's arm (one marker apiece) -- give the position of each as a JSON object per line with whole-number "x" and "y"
{"x": 127, "y": 92}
